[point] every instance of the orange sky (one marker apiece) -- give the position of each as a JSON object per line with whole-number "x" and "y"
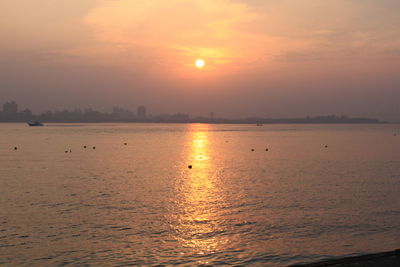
{"x": 266, "y": 58}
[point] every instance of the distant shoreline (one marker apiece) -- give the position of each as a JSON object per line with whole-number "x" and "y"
{"x": 10, "y": 113}
{"x": 209, "y": 122}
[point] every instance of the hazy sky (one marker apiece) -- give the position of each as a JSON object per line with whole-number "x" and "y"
{"x": 263, "y": 57}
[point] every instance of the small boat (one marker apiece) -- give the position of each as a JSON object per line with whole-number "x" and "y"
{"x": 36, "y": 123}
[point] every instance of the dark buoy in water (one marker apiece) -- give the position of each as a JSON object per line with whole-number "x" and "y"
{"x": 253, "y": 149}
{"x": 84, "y": 146}
{"x": 190, "y": 166}
{"x": 66, "y": 151}
{"x": 326, "y": 146}
{"x": 15, "y": 148}
{"x": 266, "y": 149}
{"x": 94, "y": 147}
{"x": 125, "y": 144}
{"x": 70, "y": 151}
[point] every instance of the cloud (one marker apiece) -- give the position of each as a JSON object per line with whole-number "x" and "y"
{"x": 43, "y": 25}
{"x": 235, "y": 35}
{"x": 256, "y": 50}
{"x": 177, "y": 32}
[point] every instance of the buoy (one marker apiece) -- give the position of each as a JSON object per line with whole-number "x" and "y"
{"x": 190, "y": 166}
{"x": 253, "y": 149}
{"x": 70, "y": 151}
{"x": 66, "y": 151}
{"x": 94, "y": 147}
{"x": 15, "y": 148}
{"x": 266, "y": 149}
{"x": 326, "y": 146}
{"x": 84, "y": 146}
{"x": 125, "y": 143}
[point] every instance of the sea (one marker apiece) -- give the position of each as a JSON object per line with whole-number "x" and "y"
{"x": 196, "y": 194}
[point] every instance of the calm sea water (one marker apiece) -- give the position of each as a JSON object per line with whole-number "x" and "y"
{"x": 140, "y": 204}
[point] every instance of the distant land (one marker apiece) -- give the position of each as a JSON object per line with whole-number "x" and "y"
{"x": 10, "y": 113}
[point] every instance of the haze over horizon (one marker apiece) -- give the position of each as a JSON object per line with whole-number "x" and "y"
{"x": 275, "y": 58}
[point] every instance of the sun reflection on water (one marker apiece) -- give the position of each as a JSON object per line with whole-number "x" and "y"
{"x": 199, "y": 200}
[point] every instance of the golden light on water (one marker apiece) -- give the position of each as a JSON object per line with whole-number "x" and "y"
{"x": 198, "y": 225}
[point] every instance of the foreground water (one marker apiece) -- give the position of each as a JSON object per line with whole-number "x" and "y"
{"x": 140, "y": 204}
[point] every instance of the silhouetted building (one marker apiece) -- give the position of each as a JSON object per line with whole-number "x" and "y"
{"x": 10, "y": 114}
{"x": 178, "y": 117}
{"x": 141, "y": 112}
{"x": 26, "y": 114}
{"x": 10, "y": 108}
{"x": 121, "y": 114}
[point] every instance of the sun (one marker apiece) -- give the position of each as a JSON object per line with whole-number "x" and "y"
{"x": 200, "y": 63}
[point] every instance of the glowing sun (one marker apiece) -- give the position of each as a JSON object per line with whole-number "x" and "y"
{"x": 200, "y": 63}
